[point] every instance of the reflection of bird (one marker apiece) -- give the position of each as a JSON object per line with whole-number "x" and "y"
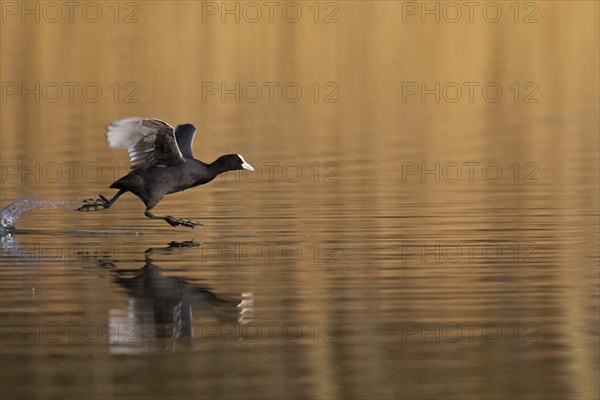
{"x": 161, "y": 163}
{"x": 163, "y": 307}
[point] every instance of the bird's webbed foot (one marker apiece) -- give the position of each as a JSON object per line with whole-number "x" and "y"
{"x": 98, "y": 204}
{"x": 172, "y": 220}
{"x": 183, "y": 222}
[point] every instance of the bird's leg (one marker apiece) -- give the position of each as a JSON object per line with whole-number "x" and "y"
{"x": 172, "y": 220}
{"x": 101, "y": 203}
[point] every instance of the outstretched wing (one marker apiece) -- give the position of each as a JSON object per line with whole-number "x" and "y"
{"x": 150, "y": 142}
{"x": 185, "y": 135}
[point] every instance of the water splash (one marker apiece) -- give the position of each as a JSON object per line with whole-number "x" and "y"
{"x": 11, "y": 213}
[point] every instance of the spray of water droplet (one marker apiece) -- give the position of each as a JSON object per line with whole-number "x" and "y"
{"x": 11, "y": 213}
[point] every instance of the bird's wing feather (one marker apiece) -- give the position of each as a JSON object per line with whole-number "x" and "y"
{"x": 150, "y": 142}
{"x": 184, "y": 134}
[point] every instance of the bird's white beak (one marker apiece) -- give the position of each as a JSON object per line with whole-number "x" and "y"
{"x": 245, "y": 165}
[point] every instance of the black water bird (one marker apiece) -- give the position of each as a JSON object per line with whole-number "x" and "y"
{"x": 161, "y": 163}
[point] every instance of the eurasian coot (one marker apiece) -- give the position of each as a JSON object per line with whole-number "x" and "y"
{"x": 161, "y": 163}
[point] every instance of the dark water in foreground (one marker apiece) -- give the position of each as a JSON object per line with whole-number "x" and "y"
{"x": 386, "y": 248}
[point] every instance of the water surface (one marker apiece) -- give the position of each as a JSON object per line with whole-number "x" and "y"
{"x": 389, "y": 246}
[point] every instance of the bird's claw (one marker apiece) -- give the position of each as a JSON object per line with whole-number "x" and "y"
{"x": 94, "y": 204}
{"x": 183, "y": 222}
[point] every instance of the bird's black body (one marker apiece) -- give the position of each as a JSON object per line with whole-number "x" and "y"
{"x": 153, "y": 183}
{"x": 162, "y": 163}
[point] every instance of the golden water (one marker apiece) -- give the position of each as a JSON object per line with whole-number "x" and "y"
{"x": 377, "y": 227}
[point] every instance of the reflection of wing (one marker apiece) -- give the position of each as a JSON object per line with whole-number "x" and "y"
{"x": 185, "y": 135}
{"x": 150, "y": 142}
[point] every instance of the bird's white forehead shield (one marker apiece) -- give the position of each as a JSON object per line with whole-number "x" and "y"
{"x": 245, "y": 165}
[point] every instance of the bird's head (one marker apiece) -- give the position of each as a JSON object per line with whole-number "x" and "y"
{"x": 232, "y": 162}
